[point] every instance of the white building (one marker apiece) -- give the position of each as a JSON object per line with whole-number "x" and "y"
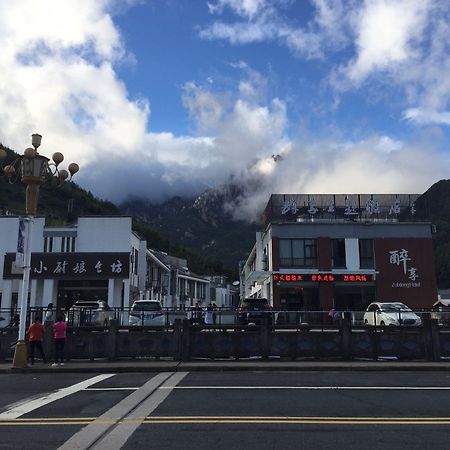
{"x": 97, "y": 257}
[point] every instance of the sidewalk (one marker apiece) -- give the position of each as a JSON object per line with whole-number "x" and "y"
{"x": 104, "y": 366}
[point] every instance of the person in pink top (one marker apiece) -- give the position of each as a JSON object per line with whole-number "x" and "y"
{"x": 59, "y": 334}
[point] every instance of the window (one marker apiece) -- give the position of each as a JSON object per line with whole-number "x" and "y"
{"x": 48, "y": 244}
{"x": 67, "y": 244}
{"x": 298, "y": 253}
{"x": 366, "y": 259}
{"x": 338, "y": 253}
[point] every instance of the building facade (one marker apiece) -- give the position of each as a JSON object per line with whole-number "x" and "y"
{"x": 96, "y": 258}
{"x": 323, "y": 251}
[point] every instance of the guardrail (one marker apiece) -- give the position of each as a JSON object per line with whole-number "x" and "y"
{"x": 186, "y": 340}
{"x": 220, "y": 316}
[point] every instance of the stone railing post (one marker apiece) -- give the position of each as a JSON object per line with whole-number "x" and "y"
{"x": 346, "y": 337}
{"x": 186, "y": 341}
{"x": 112, "y": 339}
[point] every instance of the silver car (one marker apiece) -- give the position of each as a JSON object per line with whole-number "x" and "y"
{"x": 147, "y": 313}
{"x": 390, "y": 314}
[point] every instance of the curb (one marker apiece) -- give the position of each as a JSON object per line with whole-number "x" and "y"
{"x": 225, "y": 366}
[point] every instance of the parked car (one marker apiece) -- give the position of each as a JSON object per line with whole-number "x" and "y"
{"x": 254, "y": 310}
{"x": 89, "y": 313}
{"x": 147, "y": 313}
{"x": 390, "y": 314}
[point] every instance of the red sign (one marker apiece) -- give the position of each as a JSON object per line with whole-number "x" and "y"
{"x": 319, "y": 277}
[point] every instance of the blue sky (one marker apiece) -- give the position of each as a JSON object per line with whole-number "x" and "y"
{"x": 171, "y": 97}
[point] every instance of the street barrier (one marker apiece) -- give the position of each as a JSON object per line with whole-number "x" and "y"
{"x": 185, "y": 340}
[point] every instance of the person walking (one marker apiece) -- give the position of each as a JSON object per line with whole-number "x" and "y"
{"x": 59, "y": 334}
{"x": 35, "y": 337}
{"x": 209, "y": 315}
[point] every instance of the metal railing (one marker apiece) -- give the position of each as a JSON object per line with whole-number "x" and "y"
{"x": 225, "y": 317}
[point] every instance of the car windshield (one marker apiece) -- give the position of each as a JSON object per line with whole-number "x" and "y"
{"x": 394, "y": 307}
{"x": 147, "y": 306}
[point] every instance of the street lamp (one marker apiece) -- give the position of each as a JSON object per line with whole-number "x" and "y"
{"x": 34, "y": 170}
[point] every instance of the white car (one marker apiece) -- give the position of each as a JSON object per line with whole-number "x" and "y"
{"x": 147, "y": 313}
{"x": 89, "y": 313}
{"x": 390, "y": 314}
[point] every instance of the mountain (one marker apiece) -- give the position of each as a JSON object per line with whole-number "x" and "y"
{"x": 201, "y": 224}
{"x": 435, "y": 203}
{"x": 62, "y": 205}
{"x": 200, "y": 229}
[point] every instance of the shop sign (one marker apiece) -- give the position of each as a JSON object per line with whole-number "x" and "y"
{"x": 344, "y": 206}
{"x": 322, "y": 277}
{"x": 401, "y": 258}
{"x": 73, "y": 265}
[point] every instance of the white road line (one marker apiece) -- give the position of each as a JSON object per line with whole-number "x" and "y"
{"x": 89, "y": 435}
{"x": 113, "y": 389}
{"x": 337, "y": 388}
{"x": 117, "y": 437}
{"x": 28, "y": 405}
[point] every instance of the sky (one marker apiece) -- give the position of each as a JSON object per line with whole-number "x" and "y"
{"x": 157, "y": 98}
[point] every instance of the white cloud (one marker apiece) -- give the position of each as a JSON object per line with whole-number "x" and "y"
{"x": 64, "y": 84}
{"x": 387, "y": 34}
{"x": 425, "y": 117}
{"x": 245, "y": 8}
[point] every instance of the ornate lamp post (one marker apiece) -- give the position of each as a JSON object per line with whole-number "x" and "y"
{"x": 34, "y": 170}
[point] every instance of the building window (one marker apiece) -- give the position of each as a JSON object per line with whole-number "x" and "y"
{"x": 67, "y": 244}
{"x": 298, "y": 253}
{"x": 48, "y": 244}
{"x": 366, "y": 259}
{"x": 338, "y": 253}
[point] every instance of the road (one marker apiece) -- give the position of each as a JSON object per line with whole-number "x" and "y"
{"x": 223, "y": 410}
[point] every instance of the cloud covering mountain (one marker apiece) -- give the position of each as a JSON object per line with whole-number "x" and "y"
{"x": 62, "y": 68}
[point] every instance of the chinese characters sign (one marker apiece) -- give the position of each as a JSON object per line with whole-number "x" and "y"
{"x": 74, "y": 265}
{"x": 401, "y": 259}
{"x": 322, "y": 277}
{"x": 350, "y": 206}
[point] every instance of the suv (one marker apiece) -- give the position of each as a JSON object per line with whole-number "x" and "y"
{"x": 254, "y": 310}
{"x": 89, "y": 313}
{"x": 147, "y": 313}
{"x": 390, "y": 314}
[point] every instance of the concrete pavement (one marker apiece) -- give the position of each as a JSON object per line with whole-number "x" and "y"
{"x": 162, "y": 365}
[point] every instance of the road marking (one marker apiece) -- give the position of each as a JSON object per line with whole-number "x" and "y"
{"x": 90, "y": 434}
{"x": 123, "y": 429}
{"x": 113, "y": 389}
{"x": 28, "y": 405}
{"x": 332, "y": 388}
{"x": 297, "y": 422}
{"x": 118, "y": 436}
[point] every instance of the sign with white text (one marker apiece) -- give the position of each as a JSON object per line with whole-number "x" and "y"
{"x": 73, "y": 265}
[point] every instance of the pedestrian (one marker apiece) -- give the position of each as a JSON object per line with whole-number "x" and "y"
{"x": 35, "y": 337}
{"x": 209, "y": 315}
{"x": 49, "y": 317}
{"x": 214, "y": 308}
{"x": 196, "y": 314}
{"x": 59, "y": 334}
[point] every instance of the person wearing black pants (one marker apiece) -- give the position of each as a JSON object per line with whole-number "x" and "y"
{"x": 59, "y": 334}
{"x": 35, "y": 336}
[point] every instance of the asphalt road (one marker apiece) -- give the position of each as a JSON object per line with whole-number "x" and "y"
{"x": 223, "y": 410}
